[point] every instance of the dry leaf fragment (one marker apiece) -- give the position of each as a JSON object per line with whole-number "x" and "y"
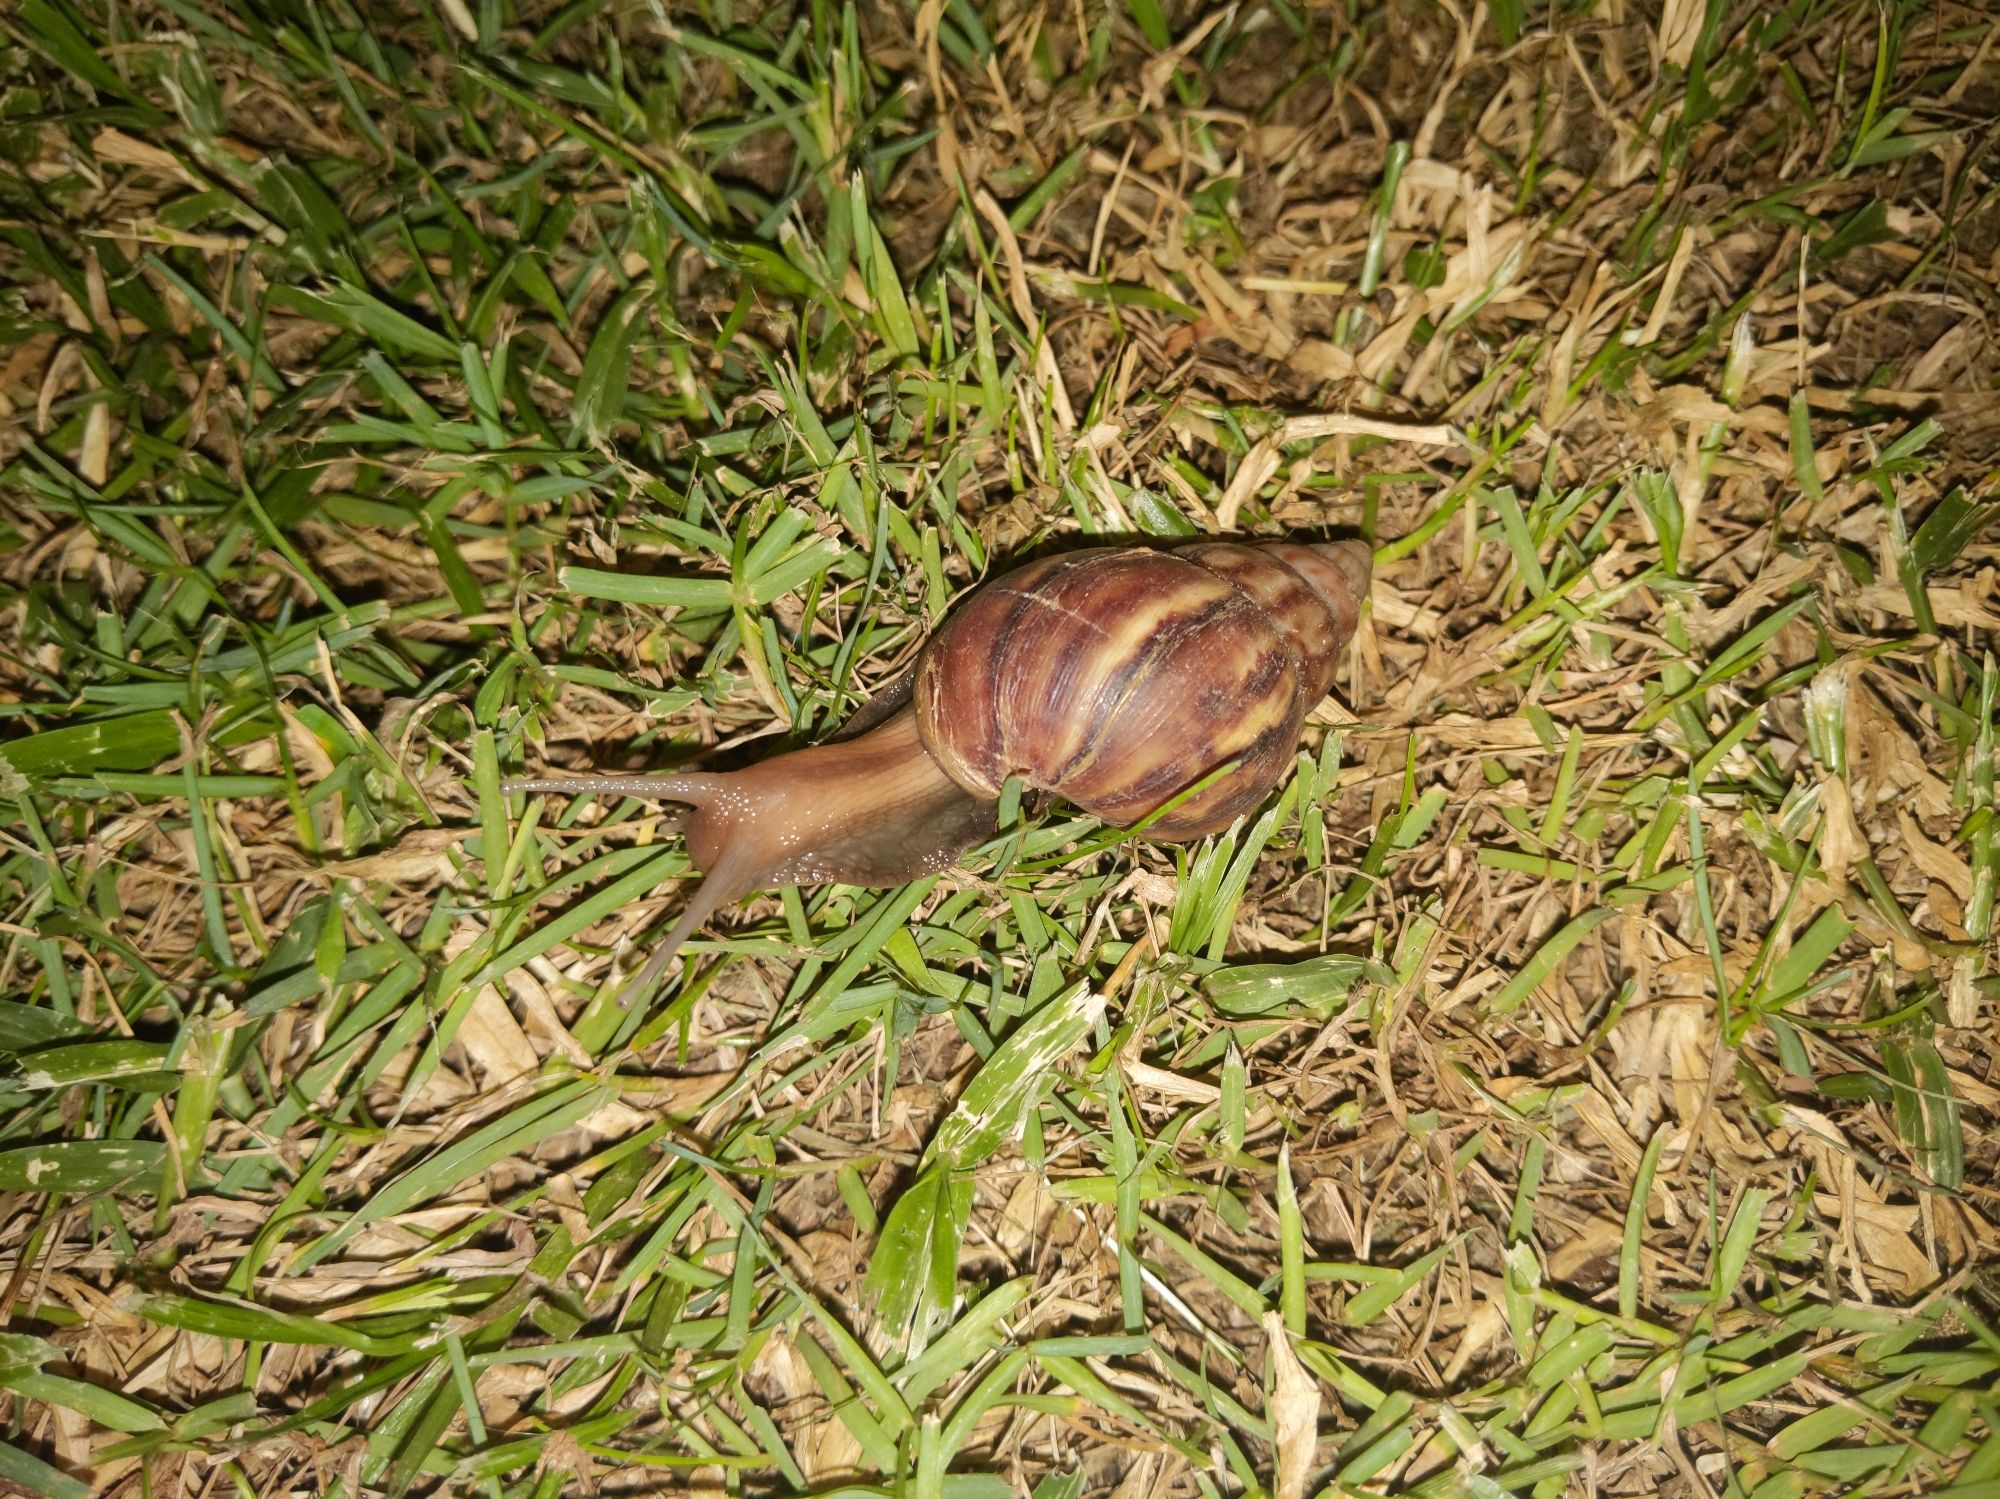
{"x": 1171, "y": 1084}
{"x": 456, "y": 12}
{"x": 1680, "y": 29}
{"x": 1842, "y": 843}
{"x": 494, "y": 1040}
{"x": 128, "y": 150}
{"x": 1935, "y": 859}
{"x": 1294, "y": 1411}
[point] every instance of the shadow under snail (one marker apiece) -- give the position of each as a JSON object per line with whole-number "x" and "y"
{"x": 1114, "y": 679}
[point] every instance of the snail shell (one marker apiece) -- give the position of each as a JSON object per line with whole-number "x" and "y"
{"x": 1116, "y": 679}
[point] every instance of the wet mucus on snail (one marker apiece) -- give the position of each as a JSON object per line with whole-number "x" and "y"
{"x": 1113, "y": 679}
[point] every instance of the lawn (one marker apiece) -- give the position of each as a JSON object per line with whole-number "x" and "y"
{"x": 1579, "y": 1077}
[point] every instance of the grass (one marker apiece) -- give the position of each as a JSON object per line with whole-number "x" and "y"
{"x": 1577, "y": 1079}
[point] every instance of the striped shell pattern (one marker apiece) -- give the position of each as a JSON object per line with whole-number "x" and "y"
{"x": 1119, "y": 678}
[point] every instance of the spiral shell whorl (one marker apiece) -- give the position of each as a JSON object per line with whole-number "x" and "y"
{"x": 1119, "y": 678}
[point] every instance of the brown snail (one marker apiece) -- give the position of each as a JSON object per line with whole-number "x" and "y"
{"x": 1115, "y": 679}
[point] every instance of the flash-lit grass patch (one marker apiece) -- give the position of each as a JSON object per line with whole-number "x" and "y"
{"x": 1578, "y": 1078}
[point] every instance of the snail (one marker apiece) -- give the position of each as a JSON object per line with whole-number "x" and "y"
{"x": 1115, "y": 679}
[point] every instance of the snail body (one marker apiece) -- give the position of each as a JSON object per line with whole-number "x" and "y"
{"x": 1114, "y": 679}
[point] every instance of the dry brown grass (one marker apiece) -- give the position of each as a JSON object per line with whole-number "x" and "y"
{"x": 1656, "y": 689}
